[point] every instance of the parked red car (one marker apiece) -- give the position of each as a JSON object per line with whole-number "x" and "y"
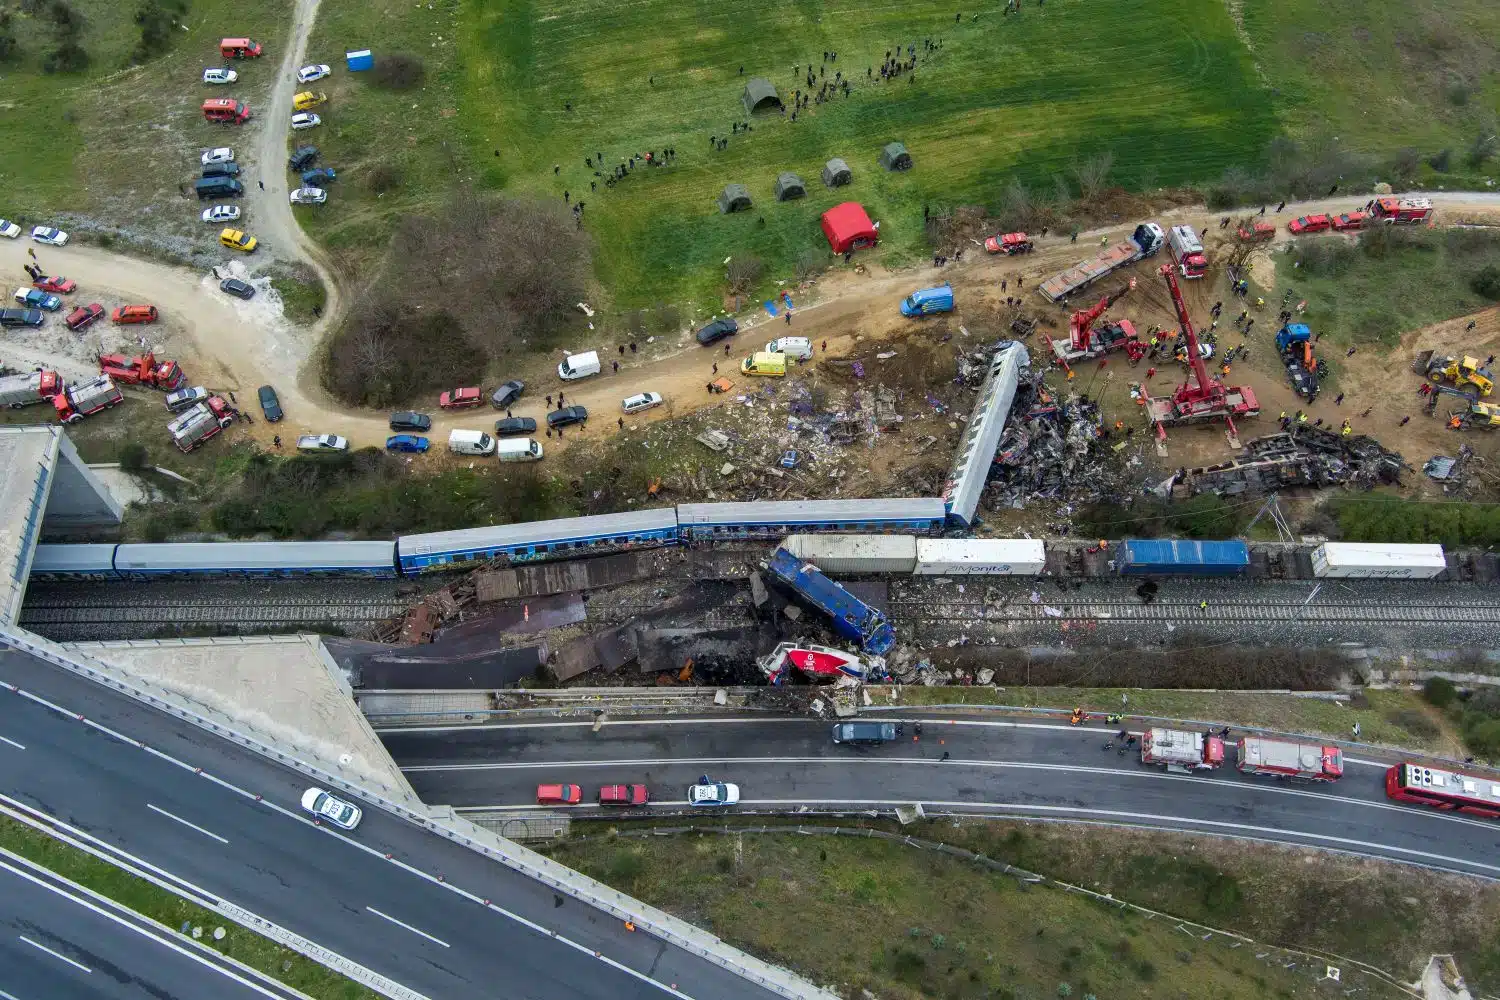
{"x": 1309, "y": 224}
{"x": 460, "y": 399}
{"x": 135, "y": 314}
{"x": 1349, "y": 220}
{"x": 559, "y": 795}
{"x": 84, "y": 316}
{"x": 58, "y": 284}
{"x": 623, "y": 795}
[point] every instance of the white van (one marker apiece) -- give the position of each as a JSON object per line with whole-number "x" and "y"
{"x": 579, "y": 366}
{"x": 519, "y": 450}
{"x": 793, "y": 347}
{"x": 462, "y": 442}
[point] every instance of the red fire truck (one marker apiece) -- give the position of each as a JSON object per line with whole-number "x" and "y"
{"x": 1285, "y": 759}
{"x": 1407, "y": 210}
{"x": 1180, "y": 750}
{"x": 78, "y": 401}
{"x": 1450, "y": 790}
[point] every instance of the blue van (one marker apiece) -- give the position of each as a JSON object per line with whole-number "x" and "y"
{"x": 928, "y": 301}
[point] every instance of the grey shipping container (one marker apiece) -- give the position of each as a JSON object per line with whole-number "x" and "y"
{"x": 838, "y": 554}
{"x": 1139, "y": 556}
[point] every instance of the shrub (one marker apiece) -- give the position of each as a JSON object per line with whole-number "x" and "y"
{"x": 132, "y": 457}
{"x": 68, "y": 57}
{"x": 742, "y": 271}
{"x": 1483, "y": 738}
{"x": 625, "y": 868}
{"x": 1486, "y": 282}
{"x": 1439, "y": 692}
{"x": 8, "y": 44}
{"x": 1415, "y": 722}
{"x": 1441, "y": 160}
{"x": 158, "y": 20}
{"x": 908, "y": 966}
{"x": 399, "y": 71}
{"x": 1481, "y": 148}
{"x": 382, "y": 177}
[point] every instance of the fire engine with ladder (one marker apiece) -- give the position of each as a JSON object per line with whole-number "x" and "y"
{"x": 1181, "y": 751}
{"x": 1200, "y": 398}
{"x": 1088, "y": 339}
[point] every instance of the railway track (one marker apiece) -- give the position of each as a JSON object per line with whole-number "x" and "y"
{"x": 1219, "y": 611}
{"x": 160, "y": 611}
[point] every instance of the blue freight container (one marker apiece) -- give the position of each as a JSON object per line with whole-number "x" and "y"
{"x": 852, "y": 618}
{"x": 1139, "y": 556}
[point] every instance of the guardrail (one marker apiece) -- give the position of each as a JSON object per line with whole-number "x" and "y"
{"x": 442, "y": 822}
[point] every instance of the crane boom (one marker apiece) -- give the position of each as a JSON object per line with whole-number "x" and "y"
{"x": 1082, "y": 321}
{"x": 1185, "y": 324}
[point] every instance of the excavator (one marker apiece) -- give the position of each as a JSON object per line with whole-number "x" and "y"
{"x": 1460, "y": 371}
{"x": 1201, "y": 397}
{"x": 1086, "y": 340}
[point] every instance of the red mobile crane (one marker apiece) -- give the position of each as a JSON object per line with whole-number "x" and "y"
{"x": 1085, "y": 341}
{"x": 1208, "y": 399}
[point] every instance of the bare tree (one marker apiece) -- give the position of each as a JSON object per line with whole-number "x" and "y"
{"x": 1092, "y": 173}
{"x": 742, "y": 271}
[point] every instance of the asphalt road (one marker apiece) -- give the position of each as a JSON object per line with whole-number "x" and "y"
{"x": 389, "y": 896}
{"x": 58, "y": 944}
{"x": 1005, "y": 768}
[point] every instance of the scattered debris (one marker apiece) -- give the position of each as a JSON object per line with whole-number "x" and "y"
{"x": 1298, "y": 456}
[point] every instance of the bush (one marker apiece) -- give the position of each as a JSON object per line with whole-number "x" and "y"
{"x": 1441, "y": 161}
{"x": 1481, "y": 148}
{"x": 743, "y": 271}
{"x": 399, "y": 71}
{"x": 1486, "y": 282}
{"x": 1415, "y": 722}
{"x": 625, "y": 868}
{"x": 132, "y": 457}
{"x": 1483, "y": 738}
{"x": 68, "y": 57}
{"x": 1379, "y": 519}
{"x": 162, "y": 524}
{"x": 9, "y": 47}
{"x": 382, "y": 177}
{"x": 158, "y": 21}
{"x": 1439, "y": 692}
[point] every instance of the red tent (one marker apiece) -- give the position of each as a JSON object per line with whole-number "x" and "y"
{"x": 849, "y": 228}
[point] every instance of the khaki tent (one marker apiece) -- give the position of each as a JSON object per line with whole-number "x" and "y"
{"x": 836, "y": 173}
{"x": 789, "y": 186}
{"x": 736, "y": 198}
{"x": 760, "y": 96}
{"x": 895, "y": 157}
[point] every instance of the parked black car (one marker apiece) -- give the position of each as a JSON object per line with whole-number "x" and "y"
{"x": 269, "y": 404}
{"x": 514, "y": 425}
{"x": 567, "y": 415}
{"x": 717, "y": 331}
{"x": 21, "y": 317}
{"x": 410, "y": 421}
{"x": 302, "y": 158}
{"x": 507, "y": 394}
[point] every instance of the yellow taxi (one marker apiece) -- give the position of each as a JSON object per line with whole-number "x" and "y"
{"x": 236, "y": 239}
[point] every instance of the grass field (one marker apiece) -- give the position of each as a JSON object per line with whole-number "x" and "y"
{"x": 1171, "y": 95}
{"x": 1380, "y": 76}
{"x": 1355, "y": 297}
{"x": 173, "y": 912}
{"x": 107, "y": 150}
{"x": 902, "y": 923}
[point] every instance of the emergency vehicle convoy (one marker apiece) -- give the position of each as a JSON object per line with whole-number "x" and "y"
{"x": 1181, "y": 750}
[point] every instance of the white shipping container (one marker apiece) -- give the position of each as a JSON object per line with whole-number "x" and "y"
{"x": 1378, "y": 560}
{"x": 980, "y": 556}
{"x": 834, "y": 554}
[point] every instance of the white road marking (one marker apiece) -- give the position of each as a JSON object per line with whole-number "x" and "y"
{"x": 190, "y": 826}
{"x": 409, "y": 927}
{"x": 143, "y": 930}
{"x": 55, "y": 954}
{"x": 1366, "y": 763}
{"x": 18, "y": 746}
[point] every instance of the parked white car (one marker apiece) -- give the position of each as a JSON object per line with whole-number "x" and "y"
{"x": 223, "y": 154}
{"x": 50, "y": 236}
{"x": 9, "y": 229}
{"x": 217, "y": 75}
{"x": 322, "y": 442}
{"x": 641, "y": 401}
{"x": 305, "y": 119}
{"x": 332, "y": 810}
{"x": 221, "y": 213}
{"x": 307, "y": 74}
{"x": 309, "y": 196}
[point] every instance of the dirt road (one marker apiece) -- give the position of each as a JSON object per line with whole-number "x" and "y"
{"x": 232, "y": 346}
